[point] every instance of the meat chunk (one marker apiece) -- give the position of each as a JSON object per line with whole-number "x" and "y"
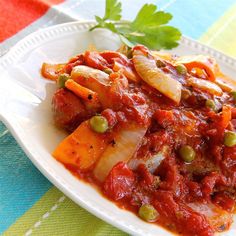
{"x": 68, "y": 110}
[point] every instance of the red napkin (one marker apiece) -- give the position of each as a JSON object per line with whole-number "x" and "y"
{"x": 17, "y": 14}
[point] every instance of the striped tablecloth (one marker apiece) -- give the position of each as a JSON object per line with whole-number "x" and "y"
{"x": 29, "y": 204}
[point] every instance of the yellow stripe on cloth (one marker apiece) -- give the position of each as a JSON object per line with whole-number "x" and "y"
{"x": 222, "y": 34}
{"x": 55, "y": 214}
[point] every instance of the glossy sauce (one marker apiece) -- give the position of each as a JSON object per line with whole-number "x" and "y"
{"x": 174, "y": 187}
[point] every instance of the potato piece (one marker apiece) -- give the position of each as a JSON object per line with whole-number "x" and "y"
{"x": 82, "y": 148}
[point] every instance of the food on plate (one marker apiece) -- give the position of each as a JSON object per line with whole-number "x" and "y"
{"x": 155, "y": 132}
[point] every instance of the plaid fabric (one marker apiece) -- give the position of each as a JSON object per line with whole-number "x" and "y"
{"x": 29, "y": 204}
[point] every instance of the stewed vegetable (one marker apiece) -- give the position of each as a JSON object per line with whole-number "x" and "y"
{"x": 187, "y": 153}
{"x": 181, "y": 69}
{"x": 233, "y": 94}
{"x": 62, "y": 80}
{"x": 210, "y": 104}
{"x": 230, "y": 139}
{"x": 99, "y": 124}
{"x": 155, "y": 132}
{"x": 148, "y": 213}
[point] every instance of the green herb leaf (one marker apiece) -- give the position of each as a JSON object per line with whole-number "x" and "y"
{"x": 99, "y": 19}
{"x": 164, "y": 37}
{"x": 126, "y": 41}
{"x": 111, "y": 27}
{"x": 148, "y": 28}
{"x": 148, "y": 17}
{"x": 113, "y": 10}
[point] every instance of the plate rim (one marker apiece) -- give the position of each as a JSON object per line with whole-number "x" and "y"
{"x": 37, "y": 38}
{"x": 44, "y": 34}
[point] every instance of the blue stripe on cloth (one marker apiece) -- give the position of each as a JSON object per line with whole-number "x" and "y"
{"x": 188, "y": 15}
{"x": 21, "y": 184}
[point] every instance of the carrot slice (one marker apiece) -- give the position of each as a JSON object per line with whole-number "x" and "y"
{"x": 81, "y": 91}
{"x": 51, "y": 71}
{"x": 226, "y": 116}
{"x": 82, "y": 148}
{"x": 205, "y": 63}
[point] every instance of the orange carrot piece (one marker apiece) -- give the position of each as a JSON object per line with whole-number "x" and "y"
{"x": 82, "y": 148}
{"x": 51, "y": 71}
{"x": 233, "y": 112}
{"x": 226, "y": 116}
{"x": 82, "y": 91}
{"x": 202, "y": 62}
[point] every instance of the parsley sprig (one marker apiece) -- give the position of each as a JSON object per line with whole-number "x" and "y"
{"x": 148, "y": 28}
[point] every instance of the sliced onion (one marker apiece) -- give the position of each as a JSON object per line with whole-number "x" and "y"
{"x": 125, "y": 144}
{"x": 162, "y": 55}
{"x": 205, "y": 86}
{"x": 217, "y": 217}
{"x": 127, "y": 71}
{"x": 227, "y": 84}
{"x": 93, "y": 79}
{"x": 155, "y": 77}
{"x": 88, "y": 72}
{"x": 151, "y": 163}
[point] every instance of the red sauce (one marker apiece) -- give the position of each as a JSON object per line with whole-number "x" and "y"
{"x": 174, "y": 186}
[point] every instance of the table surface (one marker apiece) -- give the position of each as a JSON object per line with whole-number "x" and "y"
{"x": 29, "y": 203}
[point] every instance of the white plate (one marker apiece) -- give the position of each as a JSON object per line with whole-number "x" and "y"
{"x": 25, "y": 99}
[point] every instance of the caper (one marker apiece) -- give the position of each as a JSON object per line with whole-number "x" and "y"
{"x": 160, "y": 63}
{"x": 230, "y": 138}
{"x": 62, "y": 80}
{"x": 210, "y": 104}
{"x": 108, "y": 71}
{"x": 148, "y": 213}
{"x": 99, "y": 124}
{"x": 187, "y": 153}
{"x": 181, "y": 69}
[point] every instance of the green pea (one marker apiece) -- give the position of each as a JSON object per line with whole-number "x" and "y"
{"x": 108, "y": 71}
{"x": 230, "y": 138}
{"x": 210, "y": 104}
{"x": 233, "y": 94}
{"x": 62, "y": 80}
{"x": 148, "y": 213}
{"x": 99, "y": 124}
{"x": 187, "y": 153}
{"x": 181, "y": 69}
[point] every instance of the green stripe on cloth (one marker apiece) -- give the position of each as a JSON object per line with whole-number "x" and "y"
{"x": 55, "y": 214}
{"x": 222, "y": 34}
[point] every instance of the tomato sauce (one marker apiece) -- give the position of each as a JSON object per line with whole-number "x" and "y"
{"x": 183, "y": 192}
